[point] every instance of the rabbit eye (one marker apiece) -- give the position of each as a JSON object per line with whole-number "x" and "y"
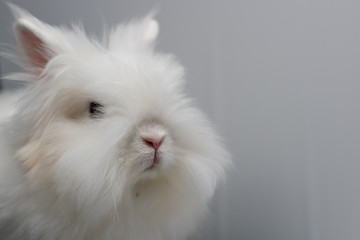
{"x": 95, "y": 110}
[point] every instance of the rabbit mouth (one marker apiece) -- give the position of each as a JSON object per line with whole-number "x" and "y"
{"x": 154, "y": 162}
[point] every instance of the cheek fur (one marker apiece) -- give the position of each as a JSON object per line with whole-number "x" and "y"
{"x": 29, "y": 155}
{"x": 37, "y": 163}
{"x": 39, "y": 156}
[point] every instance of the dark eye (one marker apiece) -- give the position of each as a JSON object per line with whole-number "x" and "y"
{"x": 96, "y": 110}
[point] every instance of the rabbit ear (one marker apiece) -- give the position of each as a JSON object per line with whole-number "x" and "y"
{"x": 32, "y": 45}
{"x": 137, "y": 34}
{"x": 36, "y": 40}
{"x": 151, "y": 31}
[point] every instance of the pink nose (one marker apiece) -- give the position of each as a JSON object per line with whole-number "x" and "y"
{"x": 153, "y": 142}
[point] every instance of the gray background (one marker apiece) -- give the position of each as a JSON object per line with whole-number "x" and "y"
{"x": 280, "y": 79}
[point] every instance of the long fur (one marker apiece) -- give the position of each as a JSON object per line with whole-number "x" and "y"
{"x": 67, "y": 175}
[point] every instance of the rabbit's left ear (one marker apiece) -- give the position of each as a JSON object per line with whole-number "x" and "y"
{"x": 33, "y": 46}
{"x": 38, "y": 42}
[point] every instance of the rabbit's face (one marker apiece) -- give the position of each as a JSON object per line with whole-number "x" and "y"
{"x": 104, "y": 121}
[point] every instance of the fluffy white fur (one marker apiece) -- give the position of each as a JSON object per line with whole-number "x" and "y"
{"x": 66, "y": 173}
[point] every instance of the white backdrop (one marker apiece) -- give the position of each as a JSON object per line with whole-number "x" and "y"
{"x": 281, "y": 80}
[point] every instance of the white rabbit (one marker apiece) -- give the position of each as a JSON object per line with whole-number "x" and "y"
{"x": 103, "y": 143}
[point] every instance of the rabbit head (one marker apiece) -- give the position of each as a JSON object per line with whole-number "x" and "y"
{"x": 105, "y": 125}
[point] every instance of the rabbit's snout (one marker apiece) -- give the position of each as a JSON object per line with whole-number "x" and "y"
{"x": 154, "y": 143}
